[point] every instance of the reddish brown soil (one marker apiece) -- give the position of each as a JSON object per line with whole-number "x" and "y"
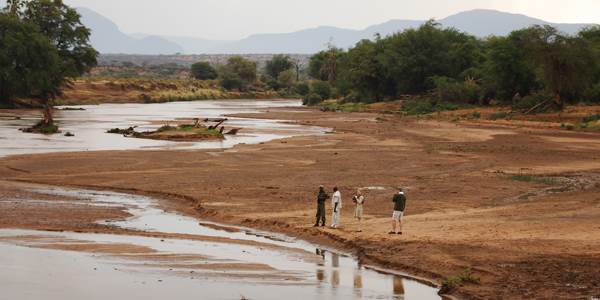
{"x": 524, "y": 239}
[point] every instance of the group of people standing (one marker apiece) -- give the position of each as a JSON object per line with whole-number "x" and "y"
{"x": 399, "y": 200}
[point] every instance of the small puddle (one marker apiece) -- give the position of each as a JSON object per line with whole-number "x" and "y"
{"x": 247, "y": 263}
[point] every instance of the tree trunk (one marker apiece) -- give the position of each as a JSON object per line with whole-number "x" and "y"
{"x": 48, "y": 115}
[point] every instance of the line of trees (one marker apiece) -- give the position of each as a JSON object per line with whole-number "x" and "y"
{"x": 281, "y": 73}
{"x": 532, "y": 66}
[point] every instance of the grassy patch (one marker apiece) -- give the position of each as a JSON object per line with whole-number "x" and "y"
{"x": 590, "y": 122}
{"x": 424, "y": 107}
{"x": 534, "y": 179}
{"x": 567, "y": 126}
{"x": 344, "y": 107}
{"x": 188, "y": 130}
{"x": 451, "y": 283}
{"x": 42, "y": 128}
{"x": 498, "y": 115}
{"x": 591, "y": 118}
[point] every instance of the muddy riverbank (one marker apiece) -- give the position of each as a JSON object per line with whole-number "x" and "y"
{"x": 517, "y": 205}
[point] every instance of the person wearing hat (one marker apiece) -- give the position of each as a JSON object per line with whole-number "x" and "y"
{"x": 358, "y": 201}
{"x": 321, "y": 198}
{"x": 399, "y": 206}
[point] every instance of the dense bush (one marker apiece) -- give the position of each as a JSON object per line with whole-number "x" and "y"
{"x": 302, "y": 88}
{"x": 592, "y": 94}
{"x": 535, "y": 99}
{"x": 450, "y": 90}
{"x": 321, "y": 88}
{"x": 425, "y": 106}
{"x": 312, "y": 99}
{"x": 238, "y": 73}
{"x": 203, "y": 71}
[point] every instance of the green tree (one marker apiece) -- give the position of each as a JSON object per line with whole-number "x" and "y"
{"x": 321, "y": 88}
{"x": 564, "y": 61}
{"x": 286, "y": 79}
{"x": 29, "y": 63}
{"x": 508, "y": 71}
{"x": 324, "y": 65}
{"x": 203, "y": 71}
{"x": 230, "y": 80}
{"x": 62, "y": 25}
{"x": 238, "y": 73}
{"x": 69, "y": 40}
{"x": 412, "y": 57}
{"x": 279, "y": 63}
{"x": 365, "y": 71}
{"x": 591, "y": 36}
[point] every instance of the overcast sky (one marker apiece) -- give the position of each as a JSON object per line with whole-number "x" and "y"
{"x": 234, "y": 19}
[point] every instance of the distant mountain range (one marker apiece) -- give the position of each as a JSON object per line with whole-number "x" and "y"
{"x": 107, "y": 37}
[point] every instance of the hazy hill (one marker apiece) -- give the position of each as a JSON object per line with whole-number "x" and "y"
{"x": 107, "y": 37}
{"x": 484, "y": 22}
{"x": 478, "y": 22}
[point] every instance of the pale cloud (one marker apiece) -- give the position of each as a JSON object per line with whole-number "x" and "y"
{"x": 233, "y": 19}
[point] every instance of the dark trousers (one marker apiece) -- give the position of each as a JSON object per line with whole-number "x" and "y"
{"x": 320, "y": 213}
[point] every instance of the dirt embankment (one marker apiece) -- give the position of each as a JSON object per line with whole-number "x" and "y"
{"x": 517, "y": 205}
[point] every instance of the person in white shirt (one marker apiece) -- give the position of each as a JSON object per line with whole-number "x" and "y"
{"x": 336, "y": 204}
{"x": 358, "y": 200}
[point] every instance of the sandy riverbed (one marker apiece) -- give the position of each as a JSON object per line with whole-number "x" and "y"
{"x": 524, "y": 239}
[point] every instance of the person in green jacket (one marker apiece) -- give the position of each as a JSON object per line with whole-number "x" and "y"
{"x": 321, "y": 198}
{"x": 399, "y": 206}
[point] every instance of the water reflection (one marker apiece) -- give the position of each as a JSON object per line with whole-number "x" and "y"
{"x": 398, "y": 286}
{"x": 335, "y": 274}
{"x": 337, "y": 271}
{"x": 357, "y": 280}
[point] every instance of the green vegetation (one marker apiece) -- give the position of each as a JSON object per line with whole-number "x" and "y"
{"x": 591, "y": 122}
{"x": 425, "y": 106}
{"x": 203, "y": 71}
{"x": 591, "y": 118}
{"x": 184, "y": 132}
{"x": 333, "y": 105}
{"x": 43, "y": 128}
{"x": 534, "y": 69}
{"x": 466, "y": 276}
{"x": 317, "y": 92}
{"x": 534, "y": 179}
{"x": 188, "y": 131}
{"x": 24, "y": 45}
{"x": 44, "y": 44}
{"x": 238, "y": 74}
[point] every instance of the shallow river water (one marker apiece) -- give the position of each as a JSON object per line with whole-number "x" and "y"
{"x": 297, "y": 269}
{"x": 90, "y": 126}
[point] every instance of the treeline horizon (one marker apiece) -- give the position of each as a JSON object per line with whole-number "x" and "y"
{"x": 45, "y": 45}
{"x": 527, "y": 67}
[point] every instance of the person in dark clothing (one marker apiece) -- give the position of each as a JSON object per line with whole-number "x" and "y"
{"x": 321, "y": 198}
{"x": 399, "y": 206}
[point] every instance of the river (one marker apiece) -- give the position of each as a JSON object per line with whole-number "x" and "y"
{"x": 90, "y": 125}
